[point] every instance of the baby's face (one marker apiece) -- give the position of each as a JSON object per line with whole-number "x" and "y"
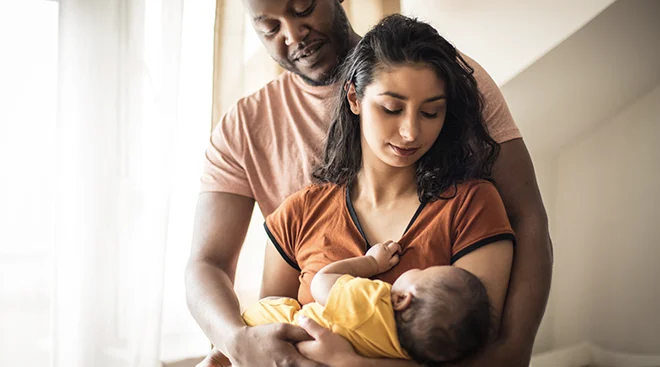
{"x": 409, "y": 280}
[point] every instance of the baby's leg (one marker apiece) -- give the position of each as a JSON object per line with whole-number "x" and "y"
{"x": 215, "y": 359}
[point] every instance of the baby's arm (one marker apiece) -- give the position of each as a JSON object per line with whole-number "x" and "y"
{"x": 380, "y": 258}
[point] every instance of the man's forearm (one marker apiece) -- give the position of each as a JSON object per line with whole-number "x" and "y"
{"x": 213, "y": 303}
{"x": 528, "y": 290}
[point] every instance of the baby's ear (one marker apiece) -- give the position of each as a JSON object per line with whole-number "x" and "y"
{"x": 401, "y": 300}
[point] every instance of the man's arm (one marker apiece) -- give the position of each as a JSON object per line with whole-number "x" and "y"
{"x": 532, "y": 262}
{"x": 221, "y": 223}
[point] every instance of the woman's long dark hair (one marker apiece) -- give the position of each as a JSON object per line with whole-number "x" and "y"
{"x": 462, "y": 151}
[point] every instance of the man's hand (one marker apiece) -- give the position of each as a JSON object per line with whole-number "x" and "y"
{"x": 385, "y": 254}
{"x": 269, "y": 345}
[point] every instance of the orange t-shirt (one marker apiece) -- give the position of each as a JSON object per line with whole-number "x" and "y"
{"x": 266, "y": 146}
{"x": 318, "y": 226}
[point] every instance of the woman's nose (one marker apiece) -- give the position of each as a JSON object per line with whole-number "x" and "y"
{"x": 409, "y": 129}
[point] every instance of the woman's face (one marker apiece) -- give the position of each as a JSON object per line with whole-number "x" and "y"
{"x": 401, "y": 115}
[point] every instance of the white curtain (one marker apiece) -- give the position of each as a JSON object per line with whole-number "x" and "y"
{"x": 118, "y": 92}
{"x": 105, "y": 112}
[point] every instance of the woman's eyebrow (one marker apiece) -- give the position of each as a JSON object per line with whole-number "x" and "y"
{"x": 404, "y": 98}
{"x": 436, "y": 98}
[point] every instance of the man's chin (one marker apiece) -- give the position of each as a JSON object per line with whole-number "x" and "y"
{"x": 318, "y": 78}
{"x": 312, "y": 81}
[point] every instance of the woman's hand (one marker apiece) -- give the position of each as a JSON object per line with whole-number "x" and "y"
{"x": 327, "y": 347}
{"x": 269, "y": 345}
{"x": 386, "y": 255}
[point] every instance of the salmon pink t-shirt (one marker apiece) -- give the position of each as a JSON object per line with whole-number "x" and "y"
{"x": 266, "y": 146}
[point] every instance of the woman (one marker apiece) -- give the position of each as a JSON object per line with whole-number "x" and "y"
{"x": 406, "y": 160}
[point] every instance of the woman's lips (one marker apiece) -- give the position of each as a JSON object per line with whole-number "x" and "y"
{"x": 404, "y": 152}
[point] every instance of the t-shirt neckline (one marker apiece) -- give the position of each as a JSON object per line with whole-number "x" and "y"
{"x": 356, "y": 221}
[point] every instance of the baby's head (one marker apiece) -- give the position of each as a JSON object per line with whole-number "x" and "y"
{"x": 442, "y": 313}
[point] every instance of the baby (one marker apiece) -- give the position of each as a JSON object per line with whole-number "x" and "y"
{"x": 436, "y": 315}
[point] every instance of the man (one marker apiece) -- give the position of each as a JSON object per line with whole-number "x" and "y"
{"x": 263, "y": 150}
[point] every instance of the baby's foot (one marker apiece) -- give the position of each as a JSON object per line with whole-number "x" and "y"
{"x": 215, "y": 359}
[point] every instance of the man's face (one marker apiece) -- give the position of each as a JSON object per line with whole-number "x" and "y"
{"x": 307, "y": 37}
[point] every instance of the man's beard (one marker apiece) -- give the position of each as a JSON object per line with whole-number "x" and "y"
{"x": 341, "y": 29}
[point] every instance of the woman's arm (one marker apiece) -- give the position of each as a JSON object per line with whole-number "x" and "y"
{"x": 492, "y": 265}
{"x": 279, "y": 279}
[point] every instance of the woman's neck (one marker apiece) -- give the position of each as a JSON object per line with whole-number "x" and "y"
{"x": 383, "y": 186}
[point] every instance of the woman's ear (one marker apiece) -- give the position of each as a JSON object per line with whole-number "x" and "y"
{"x": 401, "y": 300}
{"x": 353, "y": 100}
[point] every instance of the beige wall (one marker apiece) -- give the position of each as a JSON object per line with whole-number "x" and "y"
{"x": 607, "y": 236}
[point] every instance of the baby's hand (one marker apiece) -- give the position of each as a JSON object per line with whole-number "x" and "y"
{"x": 386, "y": 255}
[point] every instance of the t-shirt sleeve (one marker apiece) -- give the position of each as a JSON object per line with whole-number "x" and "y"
{"x": 223, "y": 164}
{"x": 353, "y": 301}
{"x": 497, "y": 116}
{"x": 480, "y": 220}
{"x": 284, "y": 226}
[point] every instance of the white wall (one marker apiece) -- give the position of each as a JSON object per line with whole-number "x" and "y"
{"x": 597, "y": 72}
{"x": 505, "y": 36}
{"x": 606, "y": 235}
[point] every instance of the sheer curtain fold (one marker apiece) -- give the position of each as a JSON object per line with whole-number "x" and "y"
{"x": 241, "y": 65}
{"x": 117, "y": 113}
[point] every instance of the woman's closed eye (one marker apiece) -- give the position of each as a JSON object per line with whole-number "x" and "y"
{"x": 429, "y": 115}
{"x": 392, "y": 111}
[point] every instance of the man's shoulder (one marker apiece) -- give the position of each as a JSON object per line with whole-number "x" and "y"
{"x": 274, "y": 91}
{"x": 259, "y": 107}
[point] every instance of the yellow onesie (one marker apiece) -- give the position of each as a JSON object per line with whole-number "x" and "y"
{"x": 358, "y": 309}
